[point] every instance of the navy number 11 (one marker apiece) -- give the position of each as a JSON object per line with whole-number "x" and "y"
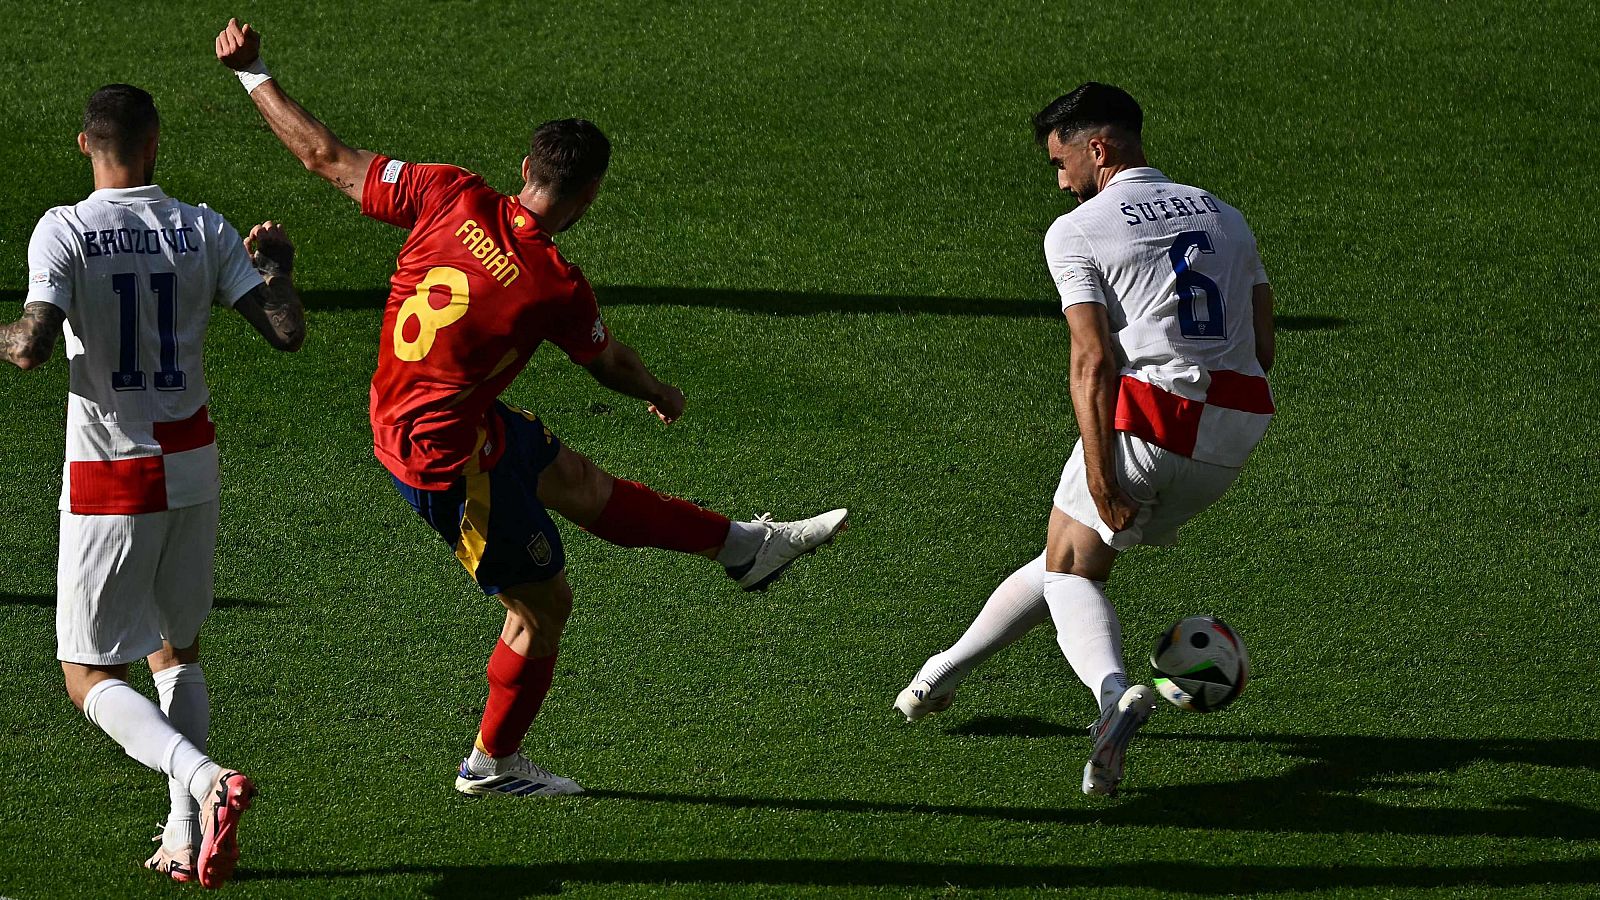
{"x": 128, "y": 376}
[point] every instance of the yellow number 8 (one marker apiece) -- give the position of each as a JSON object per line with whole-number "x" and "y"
{"x": 428, "y": 318}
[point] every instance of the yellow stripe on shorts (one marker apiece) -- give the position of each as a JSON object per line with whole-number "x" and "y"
{"x": 474, "y": 523}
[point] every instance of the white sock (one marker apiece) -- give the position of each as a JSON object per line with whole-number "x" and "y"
{"x": 744, "y": 539}
{"x": 481, "y": 763}
{"x": 138, "y": 725}
{"x": 188, "y": 708}
{"x": 1015, "y": 607}
{"x": 1089, "y": 633}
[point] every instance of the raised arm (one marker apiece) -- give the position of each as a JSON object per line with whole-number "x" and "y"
{"x": 317, "y": 147}
{"x": 619, "y": 368}
{"x": 274, "y": 308}
{"x": 30, "y": 340}
{"x": 1095, "y": 382}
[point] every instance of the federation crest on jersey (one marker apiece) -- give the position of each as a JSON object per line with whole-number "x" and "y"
{"x": 539, "y": 549}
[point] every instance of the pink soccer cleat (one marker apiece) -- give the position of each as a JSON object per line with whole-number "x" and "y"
{"x": 229, "y": 797}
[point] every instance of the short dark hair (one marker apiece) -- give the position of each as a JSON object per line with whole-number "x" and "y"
{"x": 1089, "y": 105}
{"x": 567, "y": 156}
{"x": 119, "y": 118}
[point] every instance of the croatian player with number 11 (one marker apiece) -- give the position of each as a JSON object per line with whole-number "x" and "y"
{"x": 129, "y": 276}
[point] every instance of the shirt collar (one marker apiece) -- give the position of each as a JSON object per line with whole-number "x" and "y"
{"x": 148, "y": 192}
{"x": 1138, "y": 173}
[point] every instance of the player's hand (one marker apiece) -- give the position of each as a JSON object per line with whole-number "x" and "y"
{"x": 1117, "y": 509}
{"x": 238, "y": 46}
{"x": 270, "y": 249}
{"x": 669, "y": 405}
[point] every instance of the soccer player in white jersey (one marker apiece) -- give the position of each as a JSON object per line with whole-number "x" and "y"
{"x": 132, "y": 274}
{"x": 1171, "y": 321}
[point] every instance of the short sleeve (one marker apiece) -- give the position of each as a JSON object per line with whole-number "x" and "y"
{"x": 51, "y": 263}
{"x": 579, "y": 331}
{"x": 400, "y": 193}
{"x": 236, "y": 274}
{"x": 1072, "y": 267}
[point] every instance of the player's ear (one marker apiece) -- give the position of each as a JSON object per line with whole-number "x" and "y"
{"x": 83, "y": 144}
{"x": 527, "y": 169}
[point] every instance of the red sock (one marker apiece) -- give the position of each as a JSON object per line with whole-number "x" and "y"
{"x": 636, "y": 516}
{"x": 517, "y": 685}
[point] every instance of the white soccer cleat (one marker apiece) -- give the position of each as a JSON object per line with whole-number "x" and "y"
{"x": 1112, "y": 732}
{"x": 785, "y": 543}
{"x": 175, "y": 864}
{"x": 919, "y": 699}
{"x": 516, "y": 775}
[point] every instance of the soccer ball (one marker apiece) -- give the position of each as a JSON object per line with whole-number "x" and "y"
{"x": 1201, "y": 664}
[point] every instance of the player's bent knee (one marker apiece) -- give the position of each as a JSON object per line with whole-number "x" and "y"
{"x": 80, "y": 679}
{"x": 575, "y": 487}
{"x": 542, "y": 611}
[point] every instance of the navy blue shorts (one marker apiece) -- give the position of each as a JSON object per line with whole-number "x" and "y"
{"x": 493, "y": 520}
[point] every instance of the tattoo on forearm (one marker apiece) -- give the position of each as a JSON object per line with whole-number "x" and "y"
{"x": 283, "y": 308}
{"x": 30, "y": 340}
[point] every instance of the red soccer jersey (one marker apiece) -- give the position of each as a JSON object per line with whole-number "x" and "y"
{"x": 478, "y": 285}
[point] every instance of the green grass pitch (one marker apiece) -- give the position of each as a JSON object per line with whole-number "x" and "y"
{"x": 823, "y": 222}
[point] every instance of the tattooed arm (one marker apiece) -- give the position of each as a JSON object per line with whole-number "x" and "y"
{"x": 274, "y": 308}
{"x": 30, "y": 340}
{"x": 313, "y": 143}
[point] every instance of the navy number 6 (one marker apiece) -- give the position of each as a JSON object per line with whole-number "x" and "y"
{"x": 1208, "y": 322}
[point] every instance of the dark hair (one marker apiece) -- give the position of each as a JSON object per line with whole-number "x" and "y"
{"x": 567, "y": 156}
{"x": 119, "y": 118}
{"x": 1089, "y": 105}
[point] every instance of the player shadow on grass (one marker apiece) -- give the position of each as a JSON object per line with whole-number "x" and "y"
{"x": 543, "y": 879}
{"x": 50, "y": 600}
{"x": 797, "y": 303}
{"x": 1324, "y": 793}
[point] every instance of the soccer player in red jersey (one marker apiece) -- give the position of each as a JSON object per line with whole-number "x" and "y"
{"x": 478, "y": 285}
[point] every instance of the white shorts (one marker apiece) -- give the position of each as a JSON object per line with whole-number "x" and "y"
{"x": 1170, "y": 489}
{"x": 125, "y": 583}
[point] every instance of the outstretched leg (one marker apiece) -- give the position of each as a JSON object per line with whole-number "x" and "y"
{"x": 1015, "y": 607}
{"x": 629, "y": 514}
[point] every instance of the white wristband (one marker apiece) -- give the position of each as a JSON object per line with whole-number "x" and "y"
{"x": 254, "y": 76}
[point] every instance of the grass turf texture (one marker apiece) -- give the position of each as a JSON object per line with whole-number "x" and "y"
{"x": 823, "y": 223}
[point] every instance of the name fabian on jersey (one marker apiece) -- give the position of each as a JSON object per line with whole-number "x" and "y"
{"x": 148, "y": 241}
{"x": 497, "y": 261}
{"x": 1170, "y": 208}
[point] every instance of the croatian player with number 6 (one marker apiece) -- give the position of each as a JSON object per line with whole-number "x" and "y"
{"x": 478, "y": 285}
{"x": 1171, "y": 322}
{"x": 130, "y": 275}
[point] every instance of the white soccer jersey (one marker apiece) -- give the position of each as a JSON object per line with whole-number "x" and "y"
{"x": 136, "y": 273}
{"x": 1175, "y": 269}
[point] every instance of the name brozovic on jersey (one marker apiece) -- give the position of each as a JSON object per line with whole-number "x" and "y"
{"x": 136, "y": 273}
{"x": 1175, "y": 269}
